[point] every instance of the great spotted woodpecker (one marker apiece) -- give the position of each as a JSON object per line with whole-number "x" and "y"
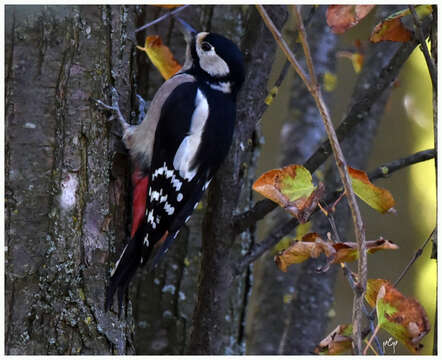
{"x": 177, "y": 149}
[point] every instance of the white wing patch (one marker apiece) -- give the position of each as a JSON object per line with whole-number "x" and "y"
{"x": 189, "y": 146}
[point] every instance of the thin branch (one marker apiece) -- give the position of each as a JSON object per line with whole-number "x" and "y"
{"x": 161, "y": 18}
{"x": 283, "y": 229}
{"x": 283, "y": 45}
{"x": 387, "y": 169}
{"x": 430, "y": 63}
{"x": 306, "y": 48}
{"x": 356, "y": 115}
{"x": 416, "y": 255}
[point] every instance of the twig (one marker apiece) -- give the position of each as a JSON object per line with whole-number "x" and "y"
{"x": 161, "y": 18}
{"x": 348, "y": 275}
{"x": 376, "y": 330}
{"x": 386, "y": 169}
{"x": 416, "y": 255}
{"x": 306, "y": 48}
{"x": 283, "y": 45}
{"x": 430, "y": 63}
{"x": 354, "y": 117}
{"x": 340, "y": 162}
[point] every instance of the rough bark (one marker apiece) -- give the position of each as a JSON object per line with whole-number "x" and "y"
{"x": 66, "y": 185}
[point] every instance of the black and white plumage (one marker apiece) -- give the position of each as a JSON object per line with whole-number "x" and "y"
{"x": 178, "y": 148}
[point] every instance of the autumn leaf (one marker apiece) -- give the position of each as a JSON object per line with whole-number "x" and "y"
{"x": 402, "y": 317}
{"x": 378, "y": 198}
{"x": 340, "y": 18}
{"x": 161, "y": 56}
{"x": 330, "y": 80}
{"x": 392, "y": 28}
{"x": 348, "y": 251}
{"x": 168, "y": 6}
{"x": 337, "y": 342}
{"x": 292, "y": 188}
{"x": 356, "y": 58}
{"x": 311, "y": 246}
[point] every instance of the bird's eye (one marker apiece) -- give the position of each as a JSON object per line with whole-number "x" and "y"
{"x": 206, "y": 46}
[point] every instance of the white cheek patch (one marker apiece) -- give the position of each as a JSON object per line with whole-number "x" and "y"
{"x": 210, "y": 61}
{"x": 212, "y": 64}
{"x": 188, "y": 148}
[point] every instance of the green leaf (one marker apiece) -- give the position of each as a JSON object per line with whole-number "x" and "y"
{"x": 297, "y": 185}
{"x": 378, "y": 198}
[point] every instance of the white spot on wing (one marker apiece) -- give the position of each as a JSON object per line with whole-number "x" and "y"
{"x": 155, "y": 196}
{"x": 189, "y": 146}
{"x": 169, "y": 209}
{"x": 179, "y": 197}
{"x": 146, "y": 240}
{"x": 176, "y": 183}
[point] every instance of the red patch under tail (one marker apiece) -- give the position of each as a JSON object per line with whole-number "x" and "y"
{"x": 140, "y": 184}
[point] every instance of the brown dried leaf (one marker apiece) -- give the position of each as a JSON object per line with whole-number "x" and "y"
{"x": 337, "y": 342}
{"x": 340, "y": 18}
{"x": 390, "y": 30}
{"x": 300, "y": 251}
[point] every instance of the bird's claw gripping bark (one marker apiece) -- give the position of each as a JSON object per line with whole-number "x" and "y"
{"x": 115, "y": 107}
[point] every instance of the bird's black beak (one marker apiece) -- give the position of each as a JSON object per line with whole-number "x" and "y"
{"x": 188, "y": 31}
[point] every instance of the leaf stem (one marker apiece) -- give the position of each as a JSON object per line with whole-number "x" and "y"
{"x": 376, "y": 330}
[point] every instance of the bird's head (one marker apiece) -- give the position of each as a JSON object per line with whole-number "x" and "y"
{"x": 214, "y": 59}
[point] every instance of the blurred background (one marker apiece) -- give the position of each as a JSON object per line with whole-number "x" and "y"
{"x": 405, "y": 128}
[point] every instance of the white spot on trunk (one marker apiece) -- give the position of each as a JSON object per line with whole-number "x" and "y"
{"x": 68, "y": 191}
{"x": 30, "y": 125}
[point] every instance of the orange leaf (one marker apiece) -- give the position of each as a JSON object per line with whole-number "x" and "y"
{"x": 340, "y": 18}
{"x": 348, "y": 251}
{"x": 300, "y": 251}
{"x": 168, "y": 6}
{"x": 402, "y": 317}
{"x": 392, "y": 30}
{"x": 292, "y": 188}
{"x": 376, "y": 197}
{"x": 161, "y": 56}
{"x": 337, "y": 342}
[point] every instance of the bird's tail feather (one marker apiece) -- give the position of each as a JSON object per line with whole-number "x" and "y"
{"x": 123, "y": 272}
